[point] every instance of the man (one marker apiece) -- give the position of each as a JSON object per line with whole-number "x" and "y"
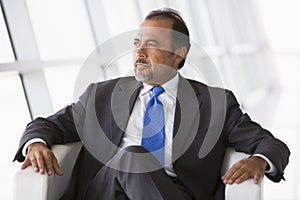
{"x": 190, "y": 116}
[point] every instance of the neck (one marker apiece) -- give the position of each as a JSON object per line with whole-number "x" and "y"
{"x": 161, "y": 81}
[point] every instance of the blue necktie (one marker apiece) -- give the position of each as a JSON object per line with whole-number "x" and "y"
{"x": 154, "y": 128}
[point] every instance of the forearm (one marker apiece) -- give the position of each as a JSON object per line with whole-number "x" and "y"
{"x": 55, "y": 129}
{"x": 249, "y": 137}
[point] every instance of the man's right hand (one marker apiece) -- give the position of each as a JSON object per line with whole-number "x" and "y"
{"x": 42, "y": 159}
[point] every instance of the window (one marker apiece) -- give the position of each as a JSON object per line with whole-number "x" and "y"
{"x": 146, "y": 6}
{"x": 14, "y": 117}
{"x": 6, "y": 53}
{"x": 120, "y": 19}
{"x": 196, "y": 16}
{"x": 62, "y": 28}
{"x": 61, "y": 83}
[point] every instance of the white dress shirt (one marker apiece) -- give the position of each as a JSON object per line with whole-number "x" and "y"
{"x": 134, "y": 129}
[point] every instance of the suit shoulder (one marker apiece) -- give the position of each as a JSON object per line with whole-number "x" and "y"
{"x": 209, "y": 92}
{"x": 204, "y": 87}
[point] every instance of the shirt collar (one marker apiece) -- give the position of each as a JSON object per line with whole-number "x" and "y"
{"x": 170, "y": 87}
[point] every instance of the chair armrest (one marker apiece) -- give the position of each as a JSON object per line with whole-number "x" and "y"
{"x": 246, "y": 190}
{"x": 34, "y": 186}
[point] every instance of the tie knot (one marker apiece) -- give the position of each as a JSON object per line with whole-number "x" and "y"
{"x": 157, "y": 90}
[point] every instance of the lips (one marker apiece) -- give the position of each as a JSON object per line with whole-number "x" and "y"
{"x": 141, "y": 62}
{"x": 141, "y": 65}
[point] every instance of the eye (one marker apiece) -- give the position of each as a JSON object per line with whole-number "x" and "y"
{"x": 152, "y": 44}
{"x": 136, "y": 43}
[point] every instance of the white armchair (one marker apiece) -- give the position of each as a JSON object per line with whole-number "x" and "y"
{"x": 32, "y": 186}
{"x": 246, "y": 190}
{"x": 29, "y": 185}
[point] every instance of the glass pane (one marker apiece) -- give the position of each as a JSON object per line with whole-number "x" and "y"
{"x": 120, "y": 20}
{"x": 61, "y": 83}
{"x": 196, "y": 17}
{"x": 147, "y": 6}
{"x": 62, "y": 28}
{"x": 6, "y": 53}
{"x": 221, "y": 15}
{"x": 14, "y": 117}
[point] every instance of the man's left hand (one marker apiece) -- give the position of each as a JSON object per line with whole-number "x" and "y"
{"x": 253, "y": 167}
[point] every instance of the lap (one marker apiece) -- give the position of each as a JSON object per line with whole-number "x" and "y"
{"x": 112, "y": 183}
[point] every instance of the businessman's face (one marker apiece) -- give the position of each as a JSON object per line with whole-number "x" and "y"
{"x": 154, "y": 60}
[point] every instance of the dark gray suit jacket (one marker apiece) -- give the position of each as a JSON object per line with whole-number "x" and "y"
{"x": 207, "y": 121}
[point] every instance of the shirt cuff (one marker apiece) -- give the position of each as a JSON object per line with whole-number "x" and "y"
{"x": 29, "y": 142}
{"x": 272, "y": 169}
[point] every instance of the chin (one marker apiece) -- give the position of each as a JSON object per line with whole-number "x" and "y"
{"x": 142, "y": 78}
{"x": 139, "y": 76}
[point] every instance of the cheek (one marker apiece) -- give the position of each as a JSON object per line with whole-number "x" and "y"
{"x": 169, "y": 60}
{"x": 160, "y": 57}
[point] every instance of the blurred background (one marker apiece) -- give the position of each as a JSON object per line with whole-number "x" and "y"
{"x": 254, "y": 45}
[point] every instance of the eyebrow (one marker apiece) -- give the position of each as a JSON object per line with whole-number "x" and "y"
{"x": 148, "y": 40}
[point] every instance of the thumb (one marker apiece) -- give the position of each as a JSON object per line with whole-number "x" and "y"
{"x": 25, "y": 164}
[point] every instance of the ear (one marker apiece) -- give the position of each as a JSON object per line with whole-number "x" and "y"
{"x": 180, "y": 54}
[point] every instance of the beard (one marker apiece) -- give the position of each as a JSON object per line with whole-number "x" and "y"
{"x": 153, "y": 73}
{"x": 143, "y": 74}
{"x": 143, "y": 71}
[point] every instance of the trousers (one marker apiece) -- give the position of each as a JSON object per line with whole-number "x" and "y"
{"x": 113, "y": 184}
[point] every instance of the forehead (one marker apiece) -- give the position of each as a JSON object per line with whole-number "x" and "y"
{"x": 155, "y": 28}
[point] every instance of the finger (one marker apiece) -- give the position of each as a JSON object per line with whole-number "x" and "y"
{"x": 34, "y": 164}
{"x": 49, "y": 164}
{"x": 240, "y": 173}
{"x": 56, "y": 168}
{"x": 25, "y": 164}
{"x": 40, "y": 163}
{"x": 228, "y": 175}
{"x": 242, "y": 177}
{"x": 256, "y": 178}
{"x": 237, "y": 174}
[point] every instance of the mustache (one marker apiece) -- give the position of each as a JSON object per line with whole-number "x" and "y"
{"x": 141, "y": 60}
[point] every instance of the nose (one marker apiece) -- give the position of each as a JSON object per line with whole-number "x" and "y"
{"x": 141, "y": 55}
{"x": 141, "y": 51}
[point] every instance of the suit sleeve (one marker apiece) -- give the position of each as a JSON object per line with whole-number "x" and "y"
{"x": 247, "y": 136}
{"x": 58, "y": 128}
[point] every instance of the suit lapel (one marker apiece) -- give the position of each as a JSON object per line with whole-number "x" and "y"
{"x": 123, "y": 98}
{"x": 187, "y": 118}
